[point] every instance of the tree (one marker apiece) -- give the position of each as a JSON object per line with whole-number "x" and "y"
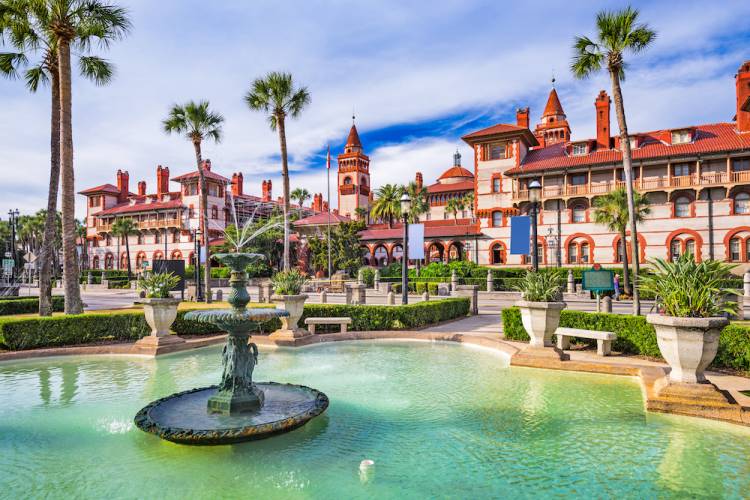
{"x": 418, "y": 197}
{"x": 611, "y": 210}
{"x": 25, "y": 24}
{"x": 360, "y": 213}
{"x": 469, "y": 202}
{"x": 123, "y": 228}
{"x": 276, "y": 94}
{"x": 617, "y": 33}
{"x": 198, "y": 123}
{"x": 345, "y": 248}
{"x": 387, "y": 205}
{"x": 452, "y": 207}
{"x": 301, "y": 195}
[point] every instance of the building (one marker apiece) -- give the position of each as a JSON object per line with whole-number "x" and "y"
{"x": 353, "y": 178}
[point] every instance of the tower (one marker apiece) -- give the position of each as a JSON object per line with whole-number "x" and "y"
{"x": 742, "y": 81}
{"x": 353, "y": 176}
{"x": 602, "y": 105}
{"x": 554, "y": 126}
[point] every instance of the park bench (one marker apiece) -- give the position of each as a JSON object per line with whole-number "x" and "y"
{"x": 343, "y": 322}
{"x": 603, "y": 339}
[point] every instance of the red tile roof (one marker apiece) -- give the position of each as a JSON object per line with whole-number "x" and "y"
{"x": 104, "y": 188}
{"x": 321, "y": 219}
{"x": 711, "y": 138}
{"x": 207, "y": 173}
{"x": 499, "y": 130}
{"x": 456, "y": 186}
{"x": 353, "y": 139}
{"x": 432, "y": 229}
{"x": 553, "y": 106}
{"x": 124, "y": 208}
{"x": 456, "y": 171}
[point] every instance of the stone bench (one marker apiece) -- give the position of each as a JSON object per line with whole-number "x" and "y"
{"x": 343, "y": 322}
{"x": 603, "y": 339}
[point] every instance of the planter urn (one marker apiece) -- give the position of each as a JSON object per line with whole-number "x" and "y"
{"x": 687, "y": 344}
{"x": 160, "y": 314}
{"x": 294, "y": 305}
{"x": 540, "y": 320}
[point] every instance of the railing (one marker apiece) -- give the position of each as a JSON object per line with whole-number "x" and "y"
{"x": 104, "y": 227}
{"x": 347, "y": 189}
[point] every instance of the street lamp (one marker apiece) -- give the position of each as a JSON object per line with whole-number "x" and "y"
{"x": 13, "y": 219}
{"x": 198, "y": 291}
{"x": 405, "y": 207}
{"x": 535, "y": 193}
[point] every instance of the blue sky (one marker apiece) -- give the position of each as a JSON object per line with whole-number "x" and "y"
{"x": 417, "y": 74}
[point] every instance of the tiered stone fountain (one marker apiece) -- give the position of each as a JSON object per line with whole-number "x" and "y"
{"x": 237, "y": 409}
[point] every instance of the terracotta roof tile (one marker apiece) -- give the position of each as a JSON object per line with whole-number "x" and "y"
{"x": 457, "y": 186}
{"x": 320, "y": 219}
{"x": 456, "y": 171}
{"x": 353, "y": 139}
{"x": 194, "y": 174}
{"x": 104, "y": 188}
{"x": 124, "y": 208}
{"x": 553, "y": 106}
{"x": 462, "y": 227}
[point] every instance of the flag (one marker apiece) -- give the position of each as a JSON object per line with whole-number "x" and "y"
{"x": 328, "y": 158}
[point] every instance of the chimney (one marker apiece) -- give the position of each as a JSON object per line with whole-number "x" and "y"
{"x": 325, "y": 207}
{"x": 522, "y": 117}
{"x": 743, "y": 97}
{"x": 418, "y": 180}
{"x": 142, "y": 188}
{"x": 602, "y": 104}
{"x": 267, "y": 190}
{"x": 165, "y": 179}
{"x": 122, "y": 185}
{"x": 207, "y": 165}
{"x": 237, "y": 184}
{"x": 159, "y": 180}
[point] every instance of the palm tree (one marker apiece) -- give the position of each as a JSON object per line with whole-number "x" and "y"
{"x": 276, "y": 95}
{"x": 301, "y": 195}
{"x": 123, "y": 228}
{"x": 468, "y": 201}
{"x": 198, "y": 123}
{"x": 387, "y": 205}
{"x": 25, "y": 24}
{"x": 611, "y": 210}
{"x": 361, "y": 213}
{"x": 418, "y": 196}
{"x": 452, "y": 207}
{"x": 617, "y": 33}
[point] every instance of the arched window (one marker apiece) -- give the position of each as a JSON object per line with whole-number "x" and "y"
{"x": 584, "y": 253}
{"x": 675, "y": 248}
{"x": 175, "y": 237}
{"x": 690, "y": 247}
{"x": 579, "y": 213}
{"x": 95, "y": 262}
{"x": 735, "y": 249}
{"x": 742, "y": 203}
{"x": 191, "y": 212}
{"x": 363, "y": 181}
{"x": 347, "y": 181}
{"x": 682, "y": 206}
{"x": 620, "y": 257}
{"x": 572, "y": 253}
{"x": 497, "y": 219}
{"x": 496, "y": 185}
{"x": 157, "y": 237}
{"x": 498, "y": 254}
{"x": 139, "y": 239}
{"x": 108, "y": 240}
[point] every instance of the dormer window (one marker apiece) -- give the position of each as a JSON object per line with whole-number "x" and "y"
{"x": 580, "y": 149}
{"x": 494, "y": 151}
{"x": 681, "y": 136}
{"x": 633, "y": 141}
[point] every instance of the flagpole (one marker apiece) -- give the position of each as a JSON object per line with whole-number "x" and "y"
{"x": 328, "y": 182}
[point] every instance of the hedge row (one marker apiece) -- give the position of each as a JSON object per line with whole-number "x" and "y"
{"x": 56, "y": 331}
{"x": 26, "y": 305}
{"x": 636, "y": 336}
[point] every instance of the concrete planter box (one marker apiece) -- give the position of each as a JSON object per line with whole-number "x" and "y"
{"x": 687, "y": 344}
{"x": 160, "y": 314}
{"x": 294, "y": 305}
{"x": 540, "y": 320}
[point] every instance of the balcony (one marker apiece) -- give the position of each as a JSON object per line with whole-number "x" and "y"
{"x": 347, "y": 189}
{"x": 106, "y": 227}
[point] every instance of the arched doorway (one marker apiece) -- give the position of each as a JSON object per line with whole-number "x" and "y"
{"x": 381, "y": 256}
{"x": 109, "y": 261}
{"x": 176, "y": 255}
{"x": 397, "y": 253}
{"x": 455, "y": 251}
{"x": 435, "y": 252}
{"x": 95, "y": 262}
{"x": 139, "y": 260}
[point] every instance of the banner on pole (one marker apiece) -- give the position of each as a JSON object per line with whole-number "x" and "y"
{"x": 520, "y": 235}
{"x": 416, "y": 241}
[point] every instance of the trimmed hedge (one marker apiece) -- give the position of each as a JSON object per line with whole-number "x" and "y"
{"x": 636, "y": 336}
{"x": 27, "y": 305}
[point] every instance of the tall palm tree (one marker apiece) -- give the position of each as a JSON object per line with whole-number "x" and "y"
{"x": 387, "y": 205}
{"x": 611, "y": 210}
{"x": 617, "y": 33}
{"x": 469, "y": 202}
{"x": 276, "y": 95}
{"x": 301, "y": 195}
{"x": 418, "y": 197}
{"x": 198, "y": 123}
{"x": 452, "y": 207}
{"x": 360, "y": 213}
{"x": 25, "y": 25}
{"x": 75, "y": 24}
{"x": 123, "y": 228}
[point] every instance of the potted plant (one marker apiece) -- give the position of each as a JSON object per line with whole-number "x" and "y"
{"x": 159, "y": 307}
{"x": 287, "y": 288}
{"x": 694, "y": 304}
{"x": 540, "y": 305}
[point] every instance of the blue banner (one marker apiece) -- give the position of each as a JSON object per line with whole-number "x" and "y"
{"x": 520, "y": 235}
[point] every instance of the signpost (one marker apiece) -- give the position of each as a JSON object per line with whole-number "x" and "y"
{"x": 598, "y": 280}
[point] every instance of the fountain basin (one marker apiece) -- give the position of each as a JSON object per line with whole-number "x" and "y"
{"x": 182, "y": 417}
{"x": 232, "y": 320}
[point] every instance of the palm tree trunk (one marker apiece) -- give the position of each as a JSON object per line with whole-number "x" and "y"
{"x": 627, "y": 164}
{"x": 204, "y": 220}
{"x": 127, "y": 254}
{"x": 46, "y": 256}
{"x": 285, "y": 181}
{"x": 73, "y": 303}
{"x": 625, "y": 270}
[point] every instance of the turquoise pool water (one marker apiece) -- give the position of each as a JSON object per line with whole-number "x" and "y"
{"x": 438, "y": 420}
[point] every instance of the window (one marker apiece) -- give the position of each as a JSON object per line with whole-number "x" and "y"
{"x": 347, "y": 181}
{"x": 579, "y": 213}
{"x": 741, "y": 165}
{"x": 175, "y": 237}
{"x": 494, "y": 151}
{"x": 633, "y": 142}
{"x": 682, "y": 206}
{"x": 497, "y": 219}
{"x": 690, "y": 247}
{"x": 578, "y": 179}
{"x": 580, "y": 149}
{"x": 498, "y": 254}
{"x": 681, "y": 169}
{"x": 109, "y": 240}
{"x": 214, "y": 212}
{"x": 620, "y": 257}
{"x": 191, "y": 212}
{"x": 157, "y": 237}
{"x": 742, "y": 203}
{"x": 734, "y": 249}
{"x": 747, "y": 252}
{"x": 681, "y": 136}
{"x": 675, "y": 249}
{"x": 572, "y": 253}
{"x": 584, "y": 253}
{"x": 213, "y": 190}
{"x": 496, "y": 184}
{"x": 191, "y": 189}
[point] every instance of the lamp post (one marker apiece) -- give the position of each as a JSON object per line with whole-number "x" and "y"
{"x": 535, "y": 191}
{"x": 198, "y": 291}
{"x": 405, "y": 207}
{"x": 13, "y": 219}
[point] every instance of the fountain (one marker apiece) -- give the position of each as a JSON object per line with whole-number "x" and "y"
{"x": 237, "y": 409}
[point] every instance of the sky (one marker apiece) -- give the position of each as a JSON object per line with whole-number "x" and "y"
{"x": 417, "y": 75}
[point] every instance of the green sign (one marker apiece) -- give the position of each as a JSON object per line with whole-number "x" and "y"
{"x": 598, "y": 280}
{"x": 8, "y": 266}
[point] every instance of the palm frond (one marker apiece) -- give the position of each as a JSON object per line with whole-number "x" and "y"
{"x": 10, "y": 63}
{"x": 35, "y": 77}
{"x": 98, "y": 70}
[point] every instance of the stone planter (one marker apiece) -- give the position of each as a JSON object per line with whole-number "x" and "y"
{"x": 294, "y": 305}
{"x": 687, "y": 344}
{"x": 540, "y": 320}
{"x": 160, "y": 314}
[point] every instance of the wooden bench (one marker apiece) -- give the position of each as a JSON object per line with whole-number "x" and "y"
{"x": 343, "y": 322}
{"x": 603, "y": 339}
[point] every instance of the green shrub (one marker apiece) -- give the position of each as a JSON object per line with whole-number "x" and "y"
{"x": 158, "y": 285}
{"x": 27, "y": 305}
{"x": 734, "y": 348}
{"x": 368, "y": 275}
{"x": 288, "y": 282}
{"x": 541, "y": 287}
{"x": 119, "y": 284}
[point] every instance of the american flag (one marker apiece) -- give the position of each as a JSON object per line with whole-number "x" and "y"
{"x": 328, "y": 158}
